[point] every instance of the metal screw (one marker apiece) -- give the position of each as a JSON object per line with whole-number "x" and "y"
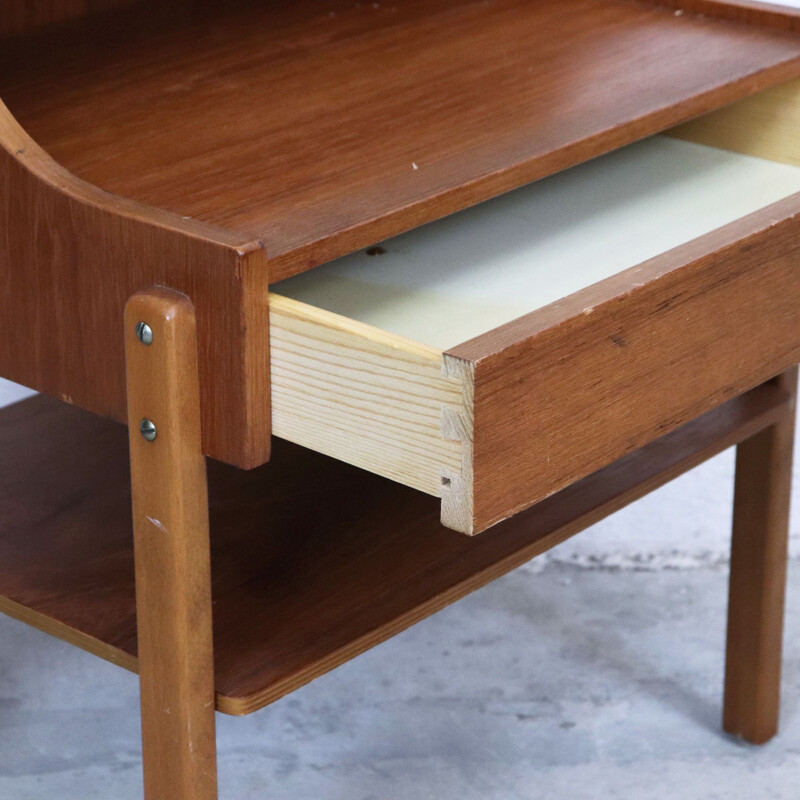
{"x": 148, "y": 430}
{"x": 144, "y": 333}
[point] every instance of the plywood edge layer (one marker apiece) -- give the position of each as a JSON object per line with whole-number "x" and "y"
{"x": 362, "y": 395}
{"x": 108, "y": 652}
{"x": 766, "y": 125}
{"x": 67, "y": 633}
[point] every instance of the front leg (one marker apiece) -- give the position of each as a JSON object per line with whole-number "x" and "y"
{"x": 171, "y": 544}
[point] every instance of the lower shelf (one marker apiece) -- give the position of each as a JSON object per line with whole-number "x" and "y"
{"x": 313, "y": 561}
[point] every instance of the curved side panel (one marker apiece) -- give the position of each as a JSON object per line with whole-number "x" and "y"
{"x": 70, "y": 257}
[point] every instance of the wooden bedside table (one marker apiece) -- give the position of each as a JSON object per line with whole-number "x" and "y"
{"x": 518, "y": 370}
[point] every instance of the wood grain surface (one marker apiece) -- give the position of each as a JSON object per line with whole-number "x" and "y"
{"x": 171, "y": 551}
{"x": 759, "y": 554}
{"x": 750, "y": 12}
{"x": 566, "y": 390}
{"x": 23, "y": 16}
{"x": 320, "y": 131}
{"x": 362, "y": 395}
{"x": 313, "y": 561}
{"x": 70, "y": 257}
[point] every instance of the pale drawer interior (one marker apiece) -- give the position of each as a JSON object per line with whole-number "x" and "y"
{"x": 460, "y": 277}
{"x": 359, "y": 363}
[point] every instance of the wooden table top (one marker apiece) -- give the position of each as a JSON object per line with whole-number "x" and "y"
{"x": 320, "y": 131}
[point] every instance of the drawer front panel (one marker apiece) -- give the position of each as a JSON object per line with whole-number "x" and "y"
{"x": 562, "y": 392}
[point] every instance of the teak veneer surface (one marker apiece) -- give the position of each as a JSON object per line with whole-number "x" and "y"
{"x": 313, "y": 561}
{"x": 70, "y": 257}
{"x": 22, "y": 16}
{"x": 563, "y": 391}
{"x": 757, "y": 597}
{"x": 323, "y": 128}
{"x": 755, "y": 12}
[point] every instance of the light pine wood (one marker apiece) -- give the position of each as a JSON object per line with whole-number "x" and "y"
{"x": 361, "y": 395}
{"x": 758, "y": 576}
{"x": 314, "y": 561}
{"x": 766, "y": 125}
{"x": 171, "y": 546}
{"x": 457, "y": 492}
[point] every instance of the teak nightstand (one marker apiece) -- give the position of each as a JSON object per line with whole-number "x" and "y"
{"x": 520, "y": 369}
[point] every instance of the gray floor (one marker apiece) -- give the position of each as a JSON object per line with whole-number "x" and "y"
{"x": 594, "y": 672}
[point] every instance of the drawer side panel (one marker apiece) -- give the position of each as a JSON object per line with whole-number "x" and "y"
{"x": 362, "y": 395}
{"x": 766, "y": 125}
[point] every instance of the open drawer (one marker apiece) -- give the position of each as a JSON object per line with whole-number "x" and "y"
{"x": 223, "y": 150}
{"x": 497, "y": 356}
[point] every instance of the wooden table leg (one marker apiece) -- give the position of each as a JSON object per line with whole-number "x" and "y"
{"x": 758, "y": 577}
{"x": 171, "y": 544}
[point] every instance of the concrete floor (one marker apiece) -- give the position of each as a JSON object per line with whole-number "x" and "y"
{"x": 573, "y": 683}
{"x": 594, "y": 672}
